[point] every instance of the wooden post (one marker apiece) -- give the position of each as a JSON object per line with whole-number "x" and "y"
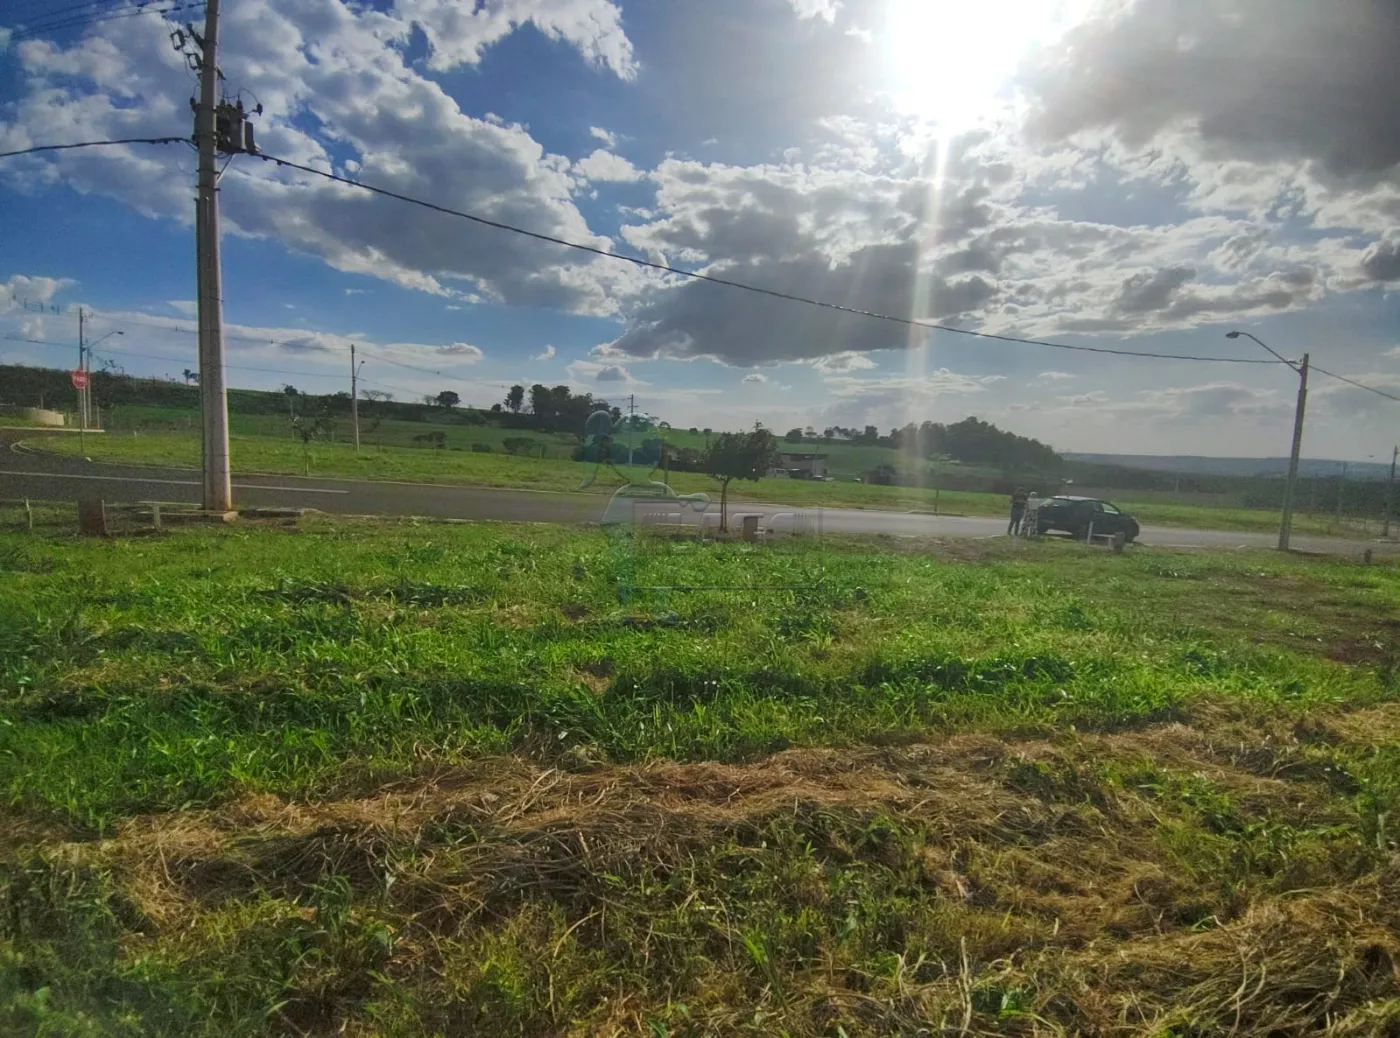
{"x": 28, "y": 516}
{"x": 92, "y": 517}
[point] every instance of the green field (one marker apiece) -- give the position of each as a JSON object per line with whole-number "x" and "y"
{"x": 404, "y": 778}
{"x": 277, "y": 452}
{"x": 845, "y": 461}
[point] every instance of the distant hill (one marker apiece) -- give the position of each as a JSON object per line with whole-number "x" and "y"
{"x": 1267, "y": 467}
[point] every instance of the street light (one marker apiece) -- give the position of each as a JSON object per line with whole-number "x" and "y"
{"x": 1285, "y": 526}
{"x": 85, "y": 394}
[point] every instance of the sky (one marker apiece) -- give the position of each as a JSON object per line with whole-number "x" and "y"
{"x": 1140, "y": 175}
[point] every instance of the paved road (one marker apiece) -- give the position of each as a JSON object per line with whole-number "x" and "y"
{"x": 50, "y": 477}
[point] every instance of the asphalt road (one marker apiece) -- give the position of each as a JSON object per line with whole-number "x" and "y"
{"x": 49, "y": 477}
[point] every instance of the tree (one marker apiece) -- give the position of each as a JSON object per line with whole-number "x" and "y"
{"x": 515, "y": 399}
{"x": 447, "y": 398}
{"x": 793, "y": 436}
{"x": 191, "y": 377}
{"x": 539, "y": 402}
{"x": 308, "y": 428}
{"x": 291, "y": 393}
{"x": 741, "y": 455}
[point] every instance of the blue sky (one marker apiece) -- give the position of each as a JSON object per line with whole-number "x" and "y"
{"x": 1142, "y": 174}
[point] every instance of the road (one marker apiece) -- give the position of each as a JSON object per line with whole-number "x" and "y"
{"x": 54, "y": 478}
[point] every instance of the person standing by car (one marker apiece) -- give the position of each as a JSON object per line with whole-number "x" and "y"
{"x": 1018, "y": 510}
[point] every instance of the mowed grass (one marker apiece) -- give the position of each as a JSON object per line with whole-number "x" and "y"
{"x": 401, "y": 778}
{"x": 258, "y": 453}
{"x": 284, "y": 455}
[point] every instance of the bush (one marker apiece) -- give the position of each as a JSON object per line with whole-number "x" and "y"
{"x": 524, "y": 445}
{"x": 481, "y": 448}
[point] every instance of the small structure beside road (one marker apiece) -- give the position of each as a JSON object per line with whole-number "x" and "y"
{"x": 798, "y": 465}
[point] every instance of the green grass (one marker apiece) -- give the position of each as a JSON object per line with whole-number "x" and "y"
{"x": 254, "y": 451}
{"x": 257, "y": 453}
{"x": 408, "y": 778}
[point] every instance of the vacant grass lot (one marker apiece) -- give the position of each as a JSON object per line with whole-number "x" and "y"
{"x": 255, "y": 453}
{"x": 400, "y": 778}
{"x": 265, "y": 453}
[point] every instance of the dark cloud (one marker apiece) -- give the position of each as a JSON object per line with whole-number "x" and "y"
{"x": 1381, "y": 262}
{"x": 743, "y": 328}
{"x": 1262, "y": 80}
{"x": 1145, "y": 293}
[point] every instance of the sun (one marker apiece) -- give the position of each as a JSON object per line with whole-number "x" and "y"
{"x": 951, "y": 62}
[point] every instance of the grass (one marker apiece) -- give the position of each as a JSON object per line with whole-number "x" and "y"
{"x": 280, "y": 454}
{"x": 402, "y": 778}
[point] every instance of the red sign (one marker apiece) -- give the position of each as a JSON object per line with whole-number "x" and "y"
{"x": 80, "y": 379}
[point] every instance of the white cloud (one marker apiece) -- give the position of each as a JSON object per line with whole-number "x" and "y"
{"x": 546, "y": 354}
{"x": 21, "y": 288}
{"x": 354, "y": 291}
{"x": 607, "y": 167}
{"x": 458, "y": 33}
{"x": 755, "y": 378}
{"x": 1054, "y": 376}
{"x": 823, "y": 9}
{"x": 463, "y": 352}
{"x": 586, "y": 371}
{"x": 608, "y": 138}
{"x": 843, "y": 363}
{"x": 897, "y": 400}
{"x": 342, "y": 70}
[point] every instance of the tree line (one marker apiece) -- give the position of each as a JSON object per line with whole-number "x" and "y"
{"x": 549, "y": 409}
{"x": 971, "y": 441}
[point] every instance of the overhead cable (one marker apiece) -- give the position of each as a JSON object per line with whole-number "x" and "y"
{"x": 91, "y": 144}
{"x": 1358, "y": 385}
{"x": 83, "y": 21}
{"x": 743, "y": 286}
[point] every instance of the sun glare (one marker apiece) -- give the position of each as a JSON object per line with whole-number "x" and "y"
{"x": 951, "y": 61}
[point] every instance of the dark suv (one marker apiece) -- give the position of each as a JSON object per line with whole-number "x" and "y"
{"x": 1077, "y": 515}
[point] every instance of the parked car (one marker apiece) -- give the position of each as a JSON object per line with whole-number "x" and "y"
{"x": 1076, "y": 515}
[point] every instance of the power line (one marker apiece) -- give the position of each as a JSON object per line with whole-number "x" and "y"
{"x": 666, "y": 268}
{"x": 173, "y": 360}
{"x": 92, "y": 144}
{"x": 267, "y": 341}
{"x": 86, "y": 20}
{"x": 36, "y": 10}
{"x": 1358, "y": 385}
{"x": 774, "y": 293}
{"x": 694, "y": 275}
{"x": 105, "y": 351}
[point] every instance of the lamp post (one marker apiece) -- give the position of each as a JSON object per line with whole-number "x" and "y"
{"x": 1285, "y": 526}
{"x": 85, "y": 394}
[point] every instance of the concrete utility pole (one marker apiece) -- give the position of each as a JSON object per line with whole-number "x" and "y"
{"x": 1285, "y": 529}
{"x": 1390, "y": 490}
{"x": 355, "y": 395}
{"x": 1285, "y": 526}
{"x": 82, "y": 393}
{"x": 218, "y": 489}
{"x": 1341, "y": 486}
